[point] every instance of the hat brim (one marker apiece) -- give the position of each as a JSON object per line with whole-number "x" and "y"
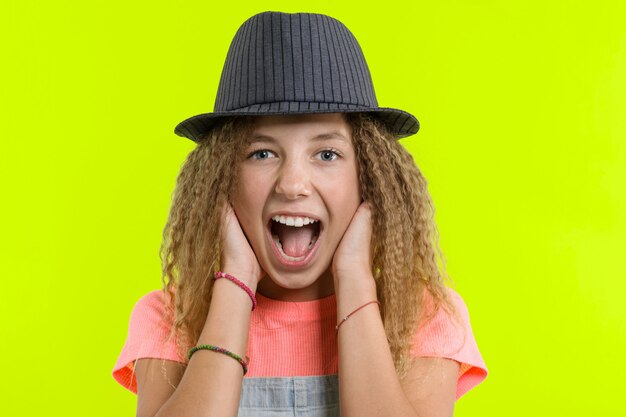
{"x": 400, "y": 122}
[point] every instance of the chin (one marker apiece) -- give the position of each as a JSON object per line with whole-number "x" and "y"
{"x": 296, "y": 285}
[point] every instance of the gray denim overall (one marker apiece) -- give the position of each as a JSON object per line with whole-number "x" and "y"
{"x": 305, "y": 396}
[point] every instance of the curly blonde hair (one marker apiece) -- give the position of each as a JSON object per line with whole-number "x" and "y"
{"x": 405, "y": 240}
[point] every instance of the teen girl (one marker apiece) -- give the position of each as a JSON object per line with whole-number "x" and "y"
{"x": 300, "y": 254}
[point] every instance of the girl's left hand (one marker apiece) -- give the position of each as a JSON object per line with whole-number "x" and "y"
{"x": 353, "y": 255}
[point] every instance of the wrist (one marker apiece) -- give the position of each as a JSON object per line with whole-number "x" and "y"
{"x": 234, "y": 282}
{"x": 222, "y": 276}
{"x": 355, "y": 278}
{"x": 355, "y": 287}
{"x": 349, "y": 301}
{"x": 250, "y": 278}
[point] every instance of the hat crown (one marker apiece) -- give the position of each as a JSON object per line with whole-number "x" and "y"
{"x": 295, "y": 63}
{"x": 287, "y": 58}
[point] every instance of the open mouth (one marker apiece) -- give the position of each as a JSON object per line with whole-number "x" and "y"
{"x": 294, "y": 237}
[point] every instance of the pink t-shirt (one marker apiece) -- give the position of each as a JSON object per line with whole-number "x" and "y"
{"x": 304, "y": 334}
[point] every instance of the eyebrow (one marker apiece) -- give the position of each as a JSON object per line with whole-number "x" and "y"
{"x": 322, "y": 136}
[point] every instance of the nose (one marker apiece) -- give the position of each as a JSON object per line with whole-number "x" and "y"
{"x": 293, "y": 180}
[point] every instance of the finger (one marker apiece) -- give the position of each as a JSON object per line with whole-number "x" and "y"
{"x": 230, "y": 219}
{"x": 362, "y": 219}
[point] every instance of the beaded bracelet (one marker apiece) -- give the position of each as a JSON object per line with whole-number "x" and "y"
{"x": 244, "y": 362}
{"x": 350, "y": 315}
{"x": 220, "y": 274}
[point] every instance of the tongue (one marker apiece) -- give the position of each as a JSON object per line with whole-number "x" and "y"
{"x": 295, "y": 240}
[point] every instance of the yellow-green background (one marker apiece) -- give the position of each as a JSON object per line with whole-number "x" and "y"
{"x": 523, "y": 112}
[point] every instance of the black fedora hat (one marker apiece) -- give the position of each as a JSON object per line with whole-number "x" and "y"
{"x": 291, "y": 63}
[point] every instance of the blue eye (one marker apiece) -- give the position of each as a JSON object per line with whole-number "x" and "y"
{"x": 328, "y": 155}
{"x": 261, "y": 154}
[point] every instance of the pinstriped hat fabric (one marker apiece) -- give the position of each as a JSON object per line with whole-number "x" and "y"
{"x": 291, "y": 63}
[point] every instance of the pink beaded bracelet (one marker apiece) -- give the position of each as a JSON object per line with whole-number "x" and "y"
{"x": 220, "y": 274}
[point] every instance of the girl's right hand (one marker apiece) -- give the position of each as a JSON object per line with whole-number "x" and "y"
{"x": 238, "y": 258}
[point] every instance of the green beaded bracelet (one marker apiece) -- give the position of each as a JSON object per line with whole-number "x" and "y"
{"x": 244, "y": 362}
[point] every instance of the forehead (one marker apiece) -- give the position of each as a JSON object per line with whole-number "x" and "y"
{"x": 322, "y": 125}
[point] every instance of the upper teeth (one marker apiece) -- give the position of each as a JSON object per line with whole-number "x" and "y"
{"x": 294, "y": 221}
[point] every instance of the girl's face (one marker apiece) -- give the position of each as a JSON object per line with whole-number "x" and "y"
{"x": 298, "y": 189}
